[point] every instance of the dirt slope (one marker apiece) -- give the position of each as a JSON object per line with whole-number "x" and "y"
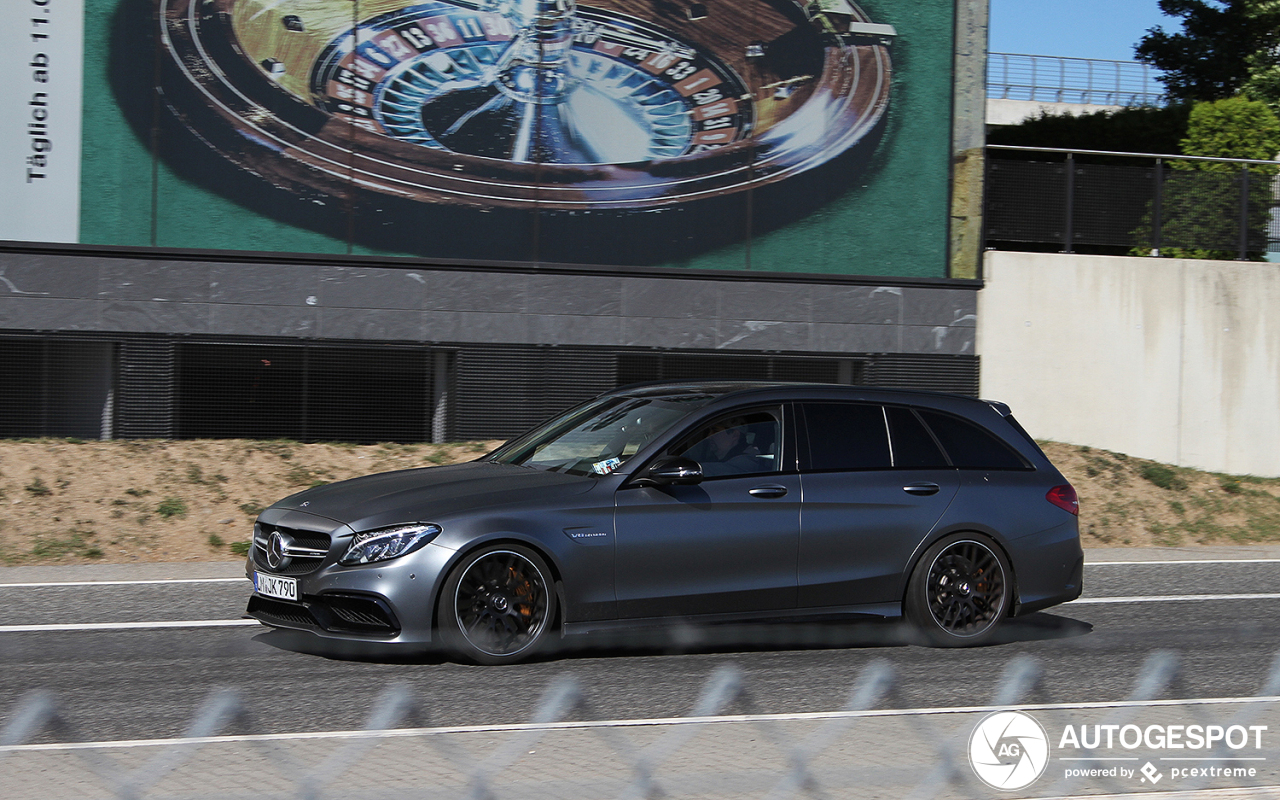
{"x": 65, "y": 502}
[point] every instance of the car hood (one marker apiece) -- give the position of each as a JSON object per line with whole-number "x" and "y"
{"x": 431, "y": 493}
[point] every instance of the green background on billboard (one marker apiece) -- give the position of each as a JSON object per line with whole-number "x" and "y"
{"x": 892, "y": 222}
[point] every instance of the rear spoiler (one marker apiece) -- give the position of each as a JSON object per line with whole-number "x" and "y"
{"x": 1002, "y": 409}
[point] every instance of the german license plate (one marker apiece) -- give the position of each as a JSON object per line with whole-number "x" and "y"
{"x": 276, "y": 586}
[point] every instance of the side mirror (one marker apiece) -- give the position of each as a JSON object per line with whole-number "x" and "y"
{"x": 674, "y": 471}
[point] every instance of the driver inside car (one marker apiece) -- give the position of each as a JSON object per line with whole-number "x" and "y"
{"x": 730, "y": 447}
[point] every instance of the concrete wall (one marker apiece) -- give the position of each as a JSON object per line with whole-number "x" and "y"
{"x": 1172, "y": 360}
{"x": 968, "y": 136}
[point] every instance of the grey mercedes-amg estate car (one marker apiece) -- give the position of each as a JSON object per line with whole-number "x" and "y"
{"x": 696, "y": 503}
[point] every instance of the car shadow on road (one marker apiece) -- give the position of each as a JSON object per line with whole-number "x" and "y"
{"x": 344, "y": 650}
{"x": 683, "y": 639}
{"x": 827, "y": 635}
{"x": 1040, "y": 627}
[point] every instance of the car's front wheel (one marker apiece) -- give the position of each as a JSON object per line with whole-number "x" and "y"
{"x": 959, "y": 591}
{"x": 498, "y": 605}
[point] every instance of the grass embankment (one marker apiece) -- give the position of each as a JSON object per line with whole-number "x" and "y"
{"x": 67, "y": 501}
{"x": 1131, "y": 501}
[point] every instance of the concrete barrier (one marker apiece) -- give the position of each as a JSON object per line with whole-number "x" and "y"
{"x": 1172, "y": 360}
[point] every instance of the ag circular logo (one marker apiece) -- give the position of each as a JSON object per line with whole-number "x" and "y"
{"x": 1009, "y": 750}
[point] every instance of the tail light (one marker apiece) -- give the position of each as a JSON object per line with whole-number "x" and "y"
{"x": 1064, "y": 497}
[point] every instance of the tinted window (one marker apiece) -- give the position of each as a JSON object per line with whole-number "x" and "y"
{"x": 913, "y": 447}
{"x": 846, "y": 436}
{"x": 743, "y": 443}
{"x": 969, "y": 446}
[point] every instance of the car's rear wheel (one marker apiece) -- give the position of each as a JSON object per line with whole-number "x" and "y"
{"x": 959, "y": 591}
{"x": 498, "y": 605}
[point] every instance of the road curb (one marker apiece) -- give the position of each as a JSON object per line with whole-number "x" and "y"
{"x": 123, "y": 572}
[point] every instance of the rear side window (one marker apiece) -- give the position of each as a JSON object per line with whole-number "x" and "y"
{"x": 913, "y": 447}
{"x": 1017, "y": 426}
{"x": 846, "y": 436}
{"x": 969, "y": 446}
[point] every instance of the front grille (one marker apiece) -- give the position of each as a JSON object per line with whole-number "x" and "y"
{"x": 297, "y": 564}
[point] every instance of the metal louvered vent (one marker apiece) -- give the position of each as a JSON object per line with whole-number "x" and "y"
{"x": 22, "y": 397}
{"x": 56, "y": 388}
{"x": 305, "y": 392}
{"x": 147, "y": 389}
{"x": 136, "y": 388}
{"x": 669, "y": 366}
{"x": 504, "y": 391}
{"x": 934, "y": 373}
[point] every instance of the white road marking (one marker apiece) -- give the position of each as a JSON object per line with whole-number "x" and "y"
{"x": 231, "y": 623}
{"x": 631, "y": 723}
{"x": 125, "y": 626}
{"x": 1170, "y": 598}
{"x": 1239, "y": 793}
{"x": 119, "y": 583}
{"x": 1184, "y": 561}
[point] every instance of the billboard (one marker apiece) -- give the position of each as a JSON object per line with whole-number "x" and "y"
{"x": 777, "y": 135}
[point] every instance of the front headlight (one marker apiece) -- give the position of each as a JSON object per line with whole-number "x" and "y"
{"x": 388, "y": 543}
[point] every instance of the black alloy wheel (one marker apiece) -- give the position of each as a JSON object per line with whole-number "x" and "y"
{"x": 498, "y": 605}
{"x": 959, "y": 591}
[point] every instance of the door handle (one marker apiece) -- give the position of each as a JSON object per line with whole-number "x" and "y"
{"x": 768, "y": 490}
{"x": 921, "y": 488}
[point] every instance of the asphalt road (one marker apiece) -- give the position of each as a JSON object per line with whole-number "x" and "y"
{"x": 147, "y": 682}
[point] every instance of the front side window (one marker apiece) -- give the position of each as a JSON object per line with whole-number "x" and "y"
{"x": 745, "y": 443}
{"x": 598, "y": 438}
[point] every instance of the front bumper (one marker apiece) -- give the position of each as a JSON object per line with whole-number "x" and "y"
{"x": 389, "y": 603}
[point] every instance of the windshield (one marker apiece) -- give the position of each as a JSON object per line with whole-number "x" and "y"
{"x": 598, "y": 438}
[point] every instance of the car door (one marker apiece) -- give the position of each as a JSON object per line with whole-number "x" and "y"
{"x": 867, "y": 505}
{"x": 726, "y": 545}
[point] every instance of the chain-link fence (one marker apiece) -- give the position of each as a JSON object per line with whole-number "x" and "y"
{"x": 725, "y": 748}
{"x": 1129, "y": 204}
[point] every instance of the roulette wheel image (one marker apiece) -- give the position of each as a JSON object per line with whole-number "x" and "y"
{"x": 606, "y": 122}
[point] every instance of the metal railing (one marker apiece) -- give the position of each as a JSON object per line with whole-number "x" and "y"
{"x": 1130, "y": 203}
{"x": 1055, "y": 79}
{"x": 724, "y": 748}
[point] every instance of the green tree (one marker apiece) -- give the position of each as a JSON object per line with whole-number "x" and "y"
{"x": 1128, "y": 130}
{"x": 1263, "y": 82}
{"x": 1236, "y": 127}
{"x": 1202, "y": 199}
{"x": 1221, "y": 45}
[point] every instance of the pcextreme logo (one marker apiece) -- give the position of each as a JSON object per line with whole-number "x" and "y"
{"x": 1009, "y": 750}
